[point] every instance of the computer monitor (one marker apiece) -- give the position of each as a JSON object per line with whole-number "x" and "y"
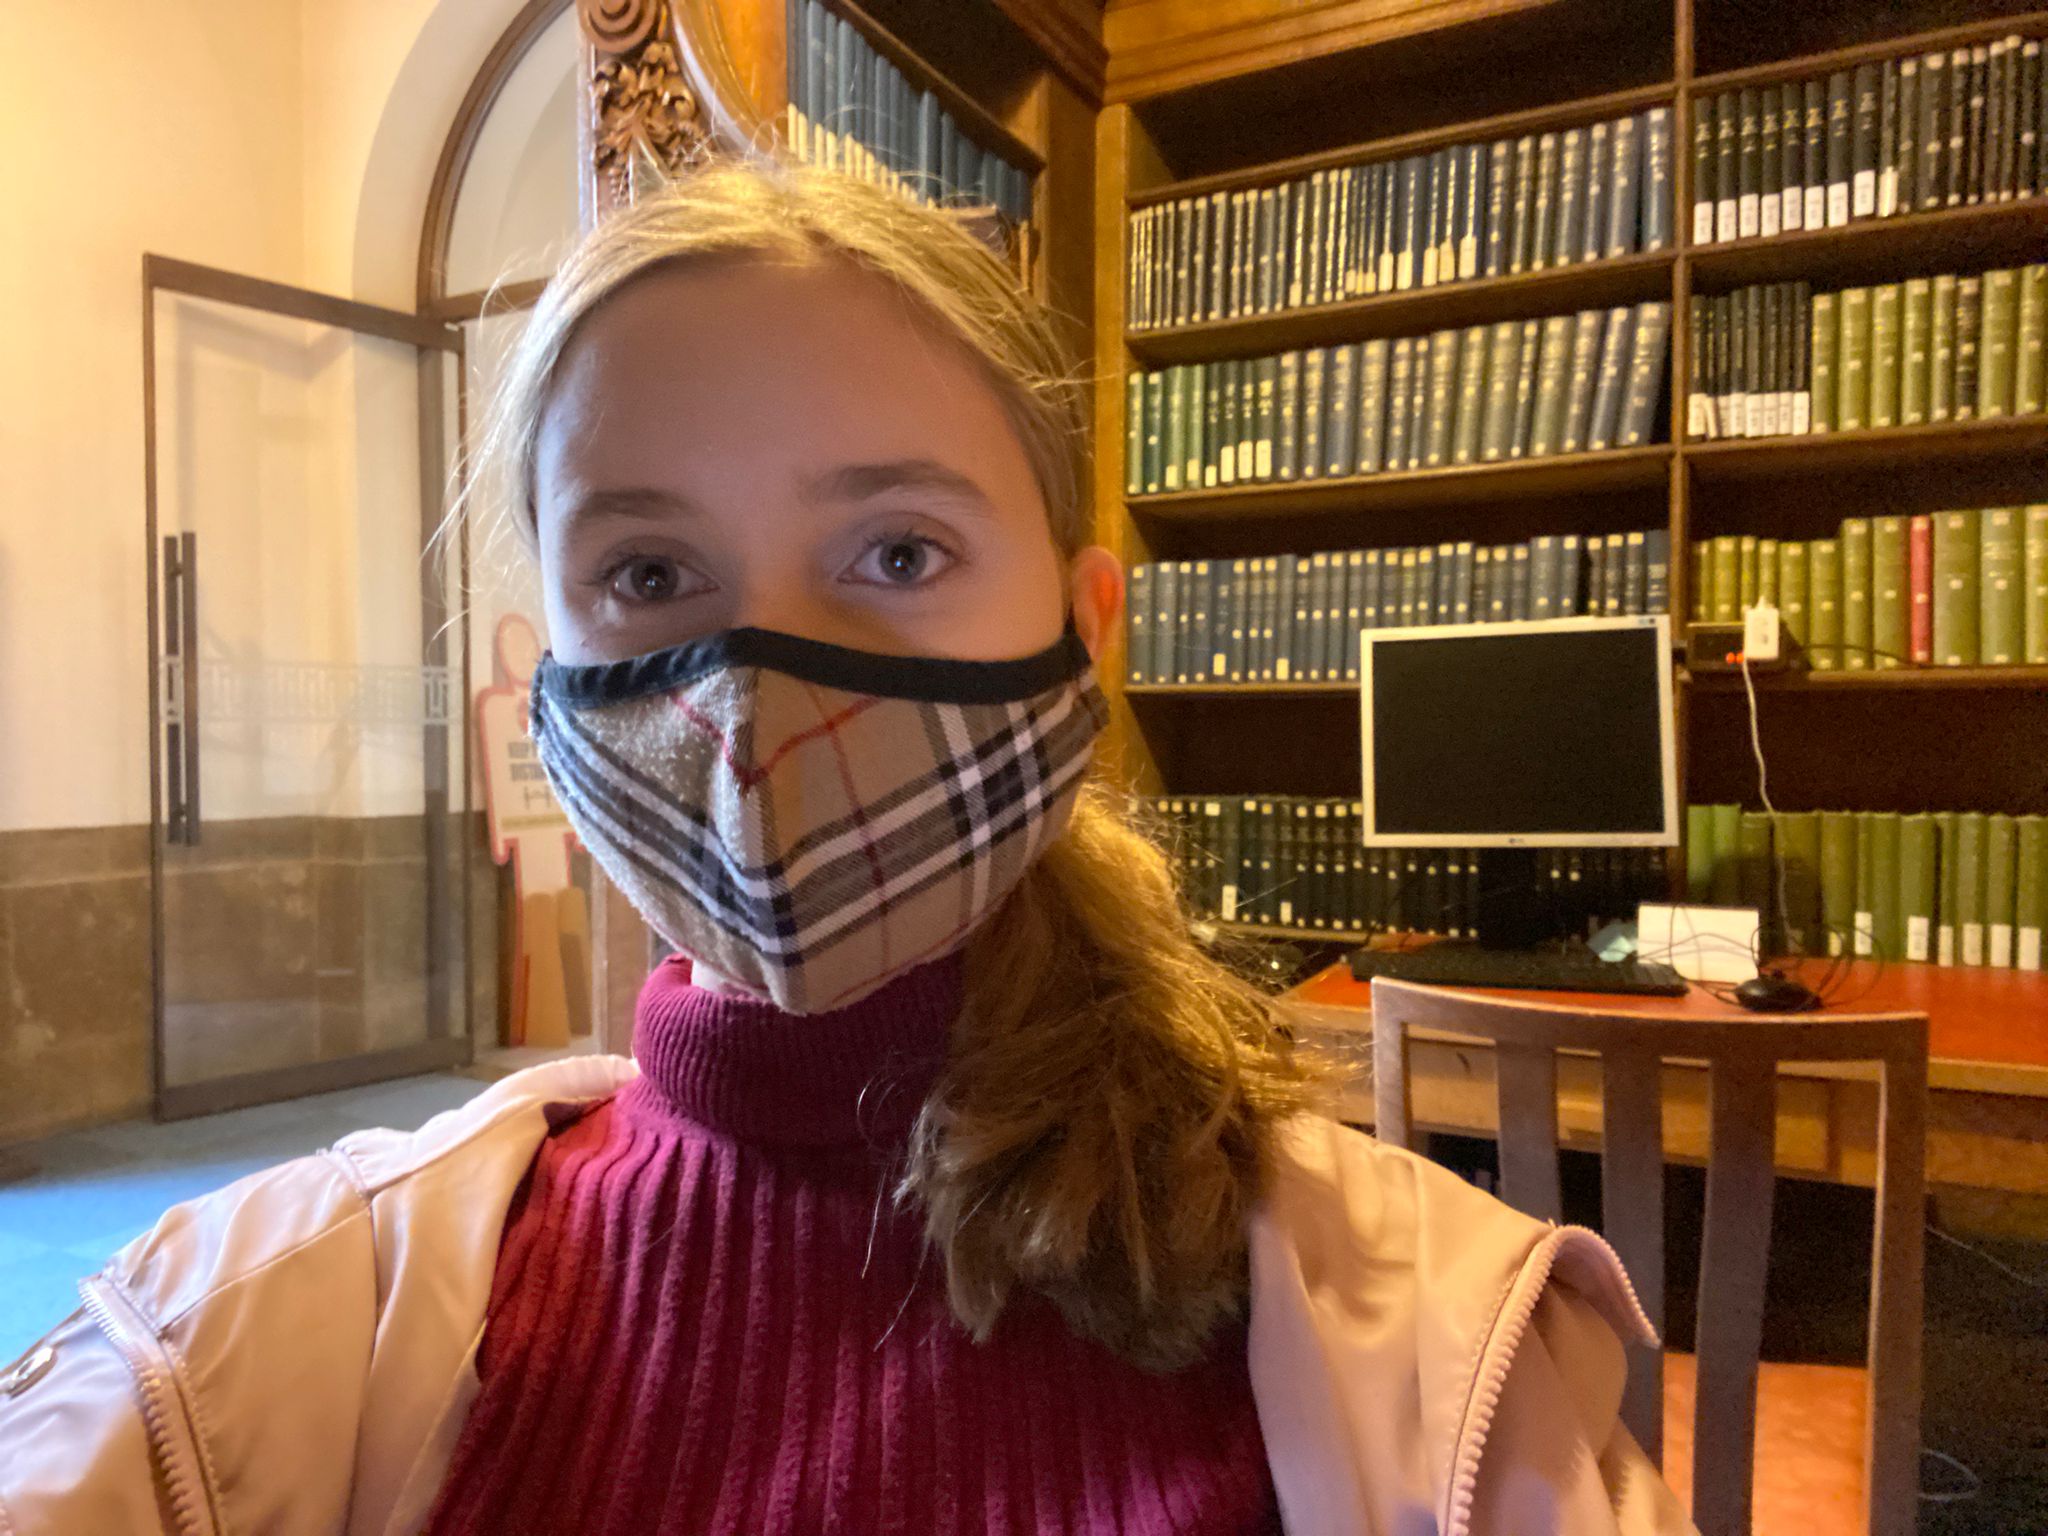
{"x": 1550, "y": 734}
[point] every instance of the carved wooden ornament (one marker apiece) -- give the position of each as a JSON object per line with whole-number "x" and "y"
{"x": 648, "y": 122}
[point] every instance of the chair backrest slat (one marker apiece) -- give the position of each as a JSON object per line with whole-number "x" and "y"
{"x": 1632, "y": 1215}
{"x": 1526, "y": 1078}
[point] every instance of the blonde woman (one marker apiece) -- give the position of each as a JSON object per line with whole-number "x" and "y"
{"x": 950, "y": 1188}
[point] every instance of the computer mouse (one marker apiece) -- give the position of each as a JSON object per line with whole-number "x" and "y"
{"x": 1776, "y": 994}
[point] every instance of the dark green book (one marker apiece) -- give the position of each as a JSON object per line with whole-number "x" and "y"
{"x": 1969, "y": 341}
{"x": 1957, "y": 608}
{"x": 1933, "y": 130}
{"x": 1885, "y": 336}
{"x": 1824, "y": 604}
{"x": 1373, "y": 389}
{"x": 1195, "y": 468}
{"x": 1792, "y": 593}
{"x": 1971, "y": 830}
{"x": 1587, "y": 328}
{"x": 1267, "y": 371}
{"x": 1155, "y": 427}
{"x": 1838, "y": 840}
{"x": 1852, "y": 361}
{"x": 1948, "y": 886}
{"x": 1646, "y": 373}
{"x": 1314, "y": 374}
{"x": 1914, "y": 898}
{"x": 1916, "y": 320}
{"x": 1441, "y": 419}
{"x": 1725, "y": 583}
{"x": 2030, "y": 892}
{"x": 1525, "y": 388}
{"x": 1570, "y": 233}
{"x": 1400, "y": 387}
{"x": 1611, "y": 386}
{"x": 1727, "y": 840}
{"x": 2001, "y": 587}
{"x": 1998, "y": 352}
{"x": 2030, "y": 363}
{"x": 1134, "y": 434}
{"x": 1340, "y": 441}
{"x": 1826, "y": 332}
{"x": 1891, "y": 596}
{"x": 1471, "y": 413}
{"x": 1863, "y": 921}
{"x": 1138, "y": 628}
{"x": 1889, "y": 921}
{"x": 1554, "y": 360}
{"x": 1522, "y": 206}
{"x": 1796, "y": 838}
{"x": 1287, "y": 418}
{"x": 1857, "y": 629}
{"x": 1503, "y": 368}
{"x": 2034, "y": 582}
{"x": 2001, "y": 868}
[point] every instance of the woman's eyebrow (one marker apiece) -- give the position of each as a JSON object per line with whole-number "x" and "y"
{"x": 855, "y": 482}
{"x": 647, "y": 504}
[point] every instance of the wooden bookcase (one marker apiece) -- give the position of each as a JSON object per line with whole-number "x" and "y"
{"x": 1904, "y": 740}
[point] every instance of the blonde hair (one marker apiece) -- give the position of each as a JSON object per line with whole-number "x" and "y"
{"x": 1102, "y": 1127}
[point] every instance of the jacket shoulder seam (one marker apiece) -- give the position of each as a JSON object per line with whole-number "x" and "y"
{"x": 369, "y": 1187}
{"x": 361, "y": 1213}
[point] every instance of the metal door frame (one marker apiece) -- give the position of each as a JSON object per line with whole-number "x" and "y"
{"x": 446, "y": 921}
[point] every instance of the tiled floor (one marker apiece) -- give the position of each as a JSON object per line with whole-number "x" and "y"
{"x": 69, "y": 1201}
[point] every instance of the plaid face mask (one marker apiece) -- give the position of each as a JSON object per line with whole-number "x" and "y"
{"x": 810, "y": 820}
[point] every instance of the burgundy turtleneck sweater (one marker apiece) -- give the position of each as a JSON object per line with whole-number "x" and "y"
{"x": 707, "y": 1317}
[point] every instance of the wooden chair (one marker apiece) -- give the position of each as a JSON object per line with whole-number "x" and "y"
{"x": 1742, "y": 1053}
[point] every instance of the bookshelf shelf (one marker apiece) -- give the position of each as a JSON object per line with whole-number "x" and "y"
{"x": 1804, "y": 66}
{"x": 1875, "y": 448}
{"x": 1583, "y": 285}
{"x": 1350, "y": 938}
{"x": 1992, "y": 235}
{"x": 1563, "y": 474}
{"x": 1338, "y": 690}
{"x": 1949, "y": 679}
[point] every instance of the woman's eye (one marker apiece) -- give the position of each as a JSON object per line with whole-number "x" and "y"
{"x": 646, "y": 579}
{"x": 901, "y": 560}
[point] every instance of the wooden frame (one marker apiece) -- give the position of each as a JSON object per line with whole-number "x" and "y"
{"x": 1742, "y": 1053}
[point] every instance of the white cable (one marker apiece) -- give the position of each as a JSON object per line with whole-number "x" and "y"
{"x": 1763, "y": 790}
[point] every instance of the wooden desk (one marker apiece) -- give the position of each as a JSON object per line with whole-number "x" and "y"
{"x": 1988, "y": 1075}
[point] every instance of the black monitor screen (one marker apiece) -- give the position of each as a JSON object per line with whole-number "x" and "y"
{"x": 1534, "y": 734}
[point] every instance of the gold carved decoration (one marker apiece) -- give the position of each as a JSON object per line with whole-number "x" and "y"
{"x": 648, "y": 122}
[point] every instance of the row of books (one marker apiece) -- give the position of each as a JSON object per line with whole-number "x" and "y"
{"x": 1296, "y": 618}
{"x": 852, "y": 110}
{"x": 1778, "y": 359}
{"x": 1293, "y": 861}
{"x": 1515, "y": 389}
{"x": 1959, "y": 588}
{"x": 1952, "y": 887}
{"x": 1900, "y": 135}
{"x": 1464, "y": 211}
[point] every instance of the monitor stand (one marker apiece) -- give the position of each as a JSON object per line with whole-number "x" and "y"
{"x": 1518, "y": 909}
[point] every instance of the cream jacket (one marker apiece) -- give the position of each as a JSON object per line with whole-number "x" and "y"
{"x": 295, "y": 1353}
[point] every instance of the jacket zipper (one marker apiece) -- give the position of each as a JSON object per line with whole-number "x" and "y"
{"x": 170, "y": 1434}
{"x": 1500, "y": 1356}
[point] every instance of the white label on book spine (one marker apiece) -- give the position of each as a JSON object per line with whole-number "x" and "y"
{"x": 1973, "y": 943}
{"x": 1404, "y": 270}
{"x": 1866, "y": 934}
{"x": 1468, "y": 256}
{"x": 1746, "y": 216}
{"x": 1916, "y": 938}
{"x": 2029, "y": 947}
{"x": 1888, "y": 192}
{"x": 1228, "y": 903}
{"x": 1838, "y": 203}
{"x": 1768, "y": 215}
{"x": 2001, "y": 943}
{"x": 1945, "y": 944}
{"x": 1793, "y": 201}
{"x": 1863, "y": 194}
{"x": 1702, "y": 223}
{"x": 1227, "y": 463}
{"x": 1280, "y": 669}
{"x": 1724, "y": 219}
{"x": 1802, "y": 412}
{"x": 1834, "y": 944}
{"x": 1429, "y": 264}
{"x": 1753, "y": 416}
{"x": 1696, "y": 416}
{"x": 1386, "y": 278}
{"x": 1262, "y": 459}
{"x": 1286, "y": 912}
{"x": 1784, "y": 402}
{"x": 1816, "y": 208}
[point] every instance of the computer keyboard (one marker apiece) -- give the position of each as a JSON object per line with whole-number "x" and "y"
{"x": 1467, "y": 965}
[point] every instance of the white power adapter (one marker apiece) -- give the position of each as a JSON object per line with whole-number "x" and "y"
{"x": 1760, "y": 638}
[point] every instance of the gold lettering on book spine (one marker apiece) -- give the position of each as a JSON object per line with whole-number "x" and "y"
{"x": 648, "y": 122}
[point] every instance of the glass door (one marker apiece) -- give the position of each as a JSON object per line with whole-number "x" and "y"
{"x": 310, "y": 785}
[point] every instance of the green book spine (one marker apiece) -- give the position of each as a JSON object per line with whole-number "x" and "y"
{"x": 2001, "y": 588}
{"x": 1465, "y": 438}
{"x": 1915, "y": 327}
{"x": 1970, "y": 834}
{"x": 2030, "y": 367}
{"x": 1700, "y": 582}
{"x": 1746, "y": 585}
{"x": 1957, "y": 610}
{"x": 1969, "y": 344}
{"x": 1946, "y": 887}
{"x": 1287, "y": 417}
{"x": 1997, "y": 352}
{"x": 1503, "y": 368}
{"x": 1826, "y": 338}
{"x": 1727, "y": 579}
{"x": 1863, "y": 914}
{"x": 1315, "y": 371}
{"x": 1888, "y": 918}
{"x": 1134, "y": 435}
{"x": 1885, "y": 337}
{"x": 1755, "y": 886}
{"x": 1155, "y": 427}
{"x": 1372, "y": 405}
{"x": 2001, "y": 866}
{"x": 1916, "y": 886}
{"x": 1852, "y": 361}
{"x": 1856, "y": 589}
{"x": 1891, "y": 598}
{"x": 1195, "y": 434}
{"x": 1767, "y": 590}
{"x": 2030, "y": 895}
{"x": 1941, "y": 351}
{"x": 1554, "y": 360}
{"x": 1824, "y": 603}
{"x": 1792, "y": 599}
{"x": 1588, "y": 329}
{"x": 1838, "y": 878}
{"x": 1798, "y": 842}
{"x": 1699, "y": 854}
{"x": 1727, "y": 839}
{"x": 1525, "y": 390}
{"x": 1268, "y": 398}
{"x": 2034, "y": 578}
{"x": 1443, "y": 396}
{"x": 1176, "y": 452}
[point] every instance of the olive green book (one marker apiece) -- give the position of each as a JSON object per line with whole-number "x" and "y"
{"x": 1997, "y": 351}
{"x": 1792, "y": 616}
{"x": 1946, "y": 887}
{"x": 1970, "y": 835}
{"x": 1852, "y": 361}
{"x": 1916, "y": 322}
{"x": 1891, "y": 598}
{"x": 1553, "y": 369}
{"x": 1134, "y": 434}
{"x": 1465, "y": 436}
{"x": 1699, "y": 853}
{"x": 2030, "y": 366}
{"x": 1824, "y": 603}
{"x": 1826, "y": 337}
{"x": 1863, "y": 909}
{"x": 1969, "y": 344}
{"x": 1797, "y": 836}
{"x": 1727, "y": 834}
{"x": 1443, "y": 399}
{"x": 1856, "y": 589}
{"x": 1917, "y": 848}
{"x": 1957, "y": 609}
{"x": 1884, "y": 354}
{"x": 1287, "y": 417}
{"x": 1372, "y": 405}
{"x": 1727, "y": 580}
{"x": 1767, "y": 574}
{"x": 1267, "y": 370}
{"x": 1155, "y": 426}
{"x": 2001, "y": 866}
{"x": 1700, "y": 582}
{"x": 2030, "y": 895}
{"x": 1194, "y": 435}
{"x": 1174, "y": 459}
{"x": 1888, "y": 922}
{"x": 1745, "y": 571}
{"x": 2001, "y": 588}
{"x": 1838, "y": 878}
{"x": 2034, "y": 581}
{"x": 1315, "y": 371}
{"x": 1503, "y": 368}
{"x": 1589, "y": 328}
{"x": 1753, "y": 870}
{"x": 1941, "y": 351}
{"x": 1400, "y": 389}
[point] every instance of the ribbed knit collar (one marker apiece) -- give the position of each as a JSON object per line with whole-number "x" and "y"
{"x": 743, "y": 1067}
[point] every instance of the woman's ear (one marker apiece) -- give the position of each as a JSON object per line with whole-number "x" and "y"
{"x": 1095, "y": 591}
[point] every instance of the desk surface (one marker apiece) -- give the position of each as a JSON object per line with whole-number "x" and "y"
{"x": 1987, "y": 1029}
